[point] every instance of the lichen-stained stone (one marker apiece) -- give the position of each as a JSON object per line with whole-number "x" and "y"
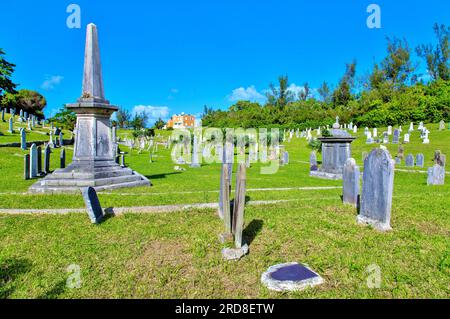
{"x": 377, "y": 190}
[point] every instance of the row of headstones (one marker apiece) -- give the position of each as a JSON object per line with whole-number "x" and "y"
{"x": 33, "y": 162}
{"x": 227, "y": 156}
{"x": 410, "y": 161}
{"x": 375, "y": 200}
{"x": 52, "y": 143}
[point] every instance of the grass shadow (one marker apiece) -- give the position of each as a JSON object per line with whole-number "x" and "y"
{"x": 10, "y": 270}
{"x": 161, "y": 176}
{"x": 55, "y": 292}
{"x": 252, "y": 230}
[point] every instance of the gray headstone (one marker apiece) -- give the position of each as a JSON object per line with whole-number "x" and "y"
{"x": 33, "y": 161}
{"x": 61, "y": 139}
{"x": 39, "y": 160}
{"x": 398, "y": 161}
{"x": 409, "y": 161}
{"x": 313, "y": 161}
{"x": 62, "y": 158}
{"x": 3, "y": 115}
{"x": 401, "y": 152}
{"x": 285, "y": 159}
{"x": 436, "y": 175}
{"x": 385, "y": 138}
{"x": 351, "y": 183}
{"x": 47, "y": 152}
{"x": 93, "y": 206}
{"x": 420, "y": 160}
{"x": 23, "y": 139}
{"x": 237, "y": 218}
{"x": 239, "y": 205}
{"x": 396, "y": 138}
{"x": 439, "y": 158}
{"x": 441, "y": 125}
{"x": 378, "y": 185}
{"x": 26, "y": 168}
{"x": 11, "y": 125}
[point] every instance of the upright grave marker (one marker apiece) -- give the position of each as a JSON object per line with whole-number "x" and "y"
{"x": 33, "y": 161}
{"x": 396, "y": 138}
{"x": 62, "y": 158}
{"x": 39, "y": 161}
{"x": 378, "y": 186}
{"x": 26, "y": 168}
{"x": 409, "y": 161}
{"x": 420, "y": 160}
{"x": 237, "y": 219}
{"x": 94, "y": 209}
{"x": 23, "y": 139}
{"x": 351, "y": 183}
{"x": 47, "y": 152}
{"x": 11, "y": 126}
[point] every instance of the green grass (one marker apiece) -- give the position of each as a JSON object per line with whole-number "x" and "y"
{"x": 177, "y": 255}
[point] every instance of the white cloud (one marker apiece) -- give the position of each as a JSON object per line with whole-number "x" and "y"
{"x": 246, "y": 94}
{"x": 51, "y": 82}
{"x": 174, "y": 91}
{"x": 153, "y": 112}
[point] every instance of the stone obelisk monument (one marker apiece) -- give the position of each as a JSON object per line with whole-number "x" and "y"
{"x": 94, "y": 156}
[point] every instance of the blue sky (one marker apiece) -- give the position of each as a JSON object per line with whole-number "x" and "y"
{"x": 176, "y": 56}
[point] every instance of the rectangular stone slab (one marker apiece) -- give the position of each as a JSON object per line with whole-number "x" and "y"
{"x": 93, "y": 206}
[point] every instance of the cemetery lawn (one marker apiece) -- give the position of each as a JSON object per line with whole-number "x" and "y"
{"x": 177, "y": 255}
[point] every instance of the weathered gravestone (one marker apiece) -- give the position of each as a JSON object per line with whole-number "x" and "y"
{"x": 26, "y": 167}
{"x": 426, "y": 139}
{"x": 33, "y": 161}
{"x": 94, "y": 209}
{"x": 23, "y": 139}
{"x": 420, "y": 160}
{"x": 385, "y": 138}
{"x": 441, "y": 125}
{"x": 350, "y": 192}
{"x": 47, "y": 152}
{"x": 378, "y": 185}
{"x": 401, "y": 152}
{"x": 62, "y": 158}
{"x": 409, "y": 161}
{"x": 398, "y": 161}
{"x": 406, "y": 138}
{"x": 439, "y": 158}
{"x": 396, "y": 137}
{"x": 313, "y": 161}
{"x": 50, "y": 141}
{"x": 436, "y": 175}
{"x": 11, "y": 126}
{"x": 39, "y": 161}
{"x": 61, "y": 139}
{"x": 389, "y": 131}
{"x": 224, "y": 203}
{"x": 237, "y": 225}
{"x": 290, "y": 277}
{"x": 3, "y": 115}
{"x": 369, "y": 139}
{"x": 285, "y": 158}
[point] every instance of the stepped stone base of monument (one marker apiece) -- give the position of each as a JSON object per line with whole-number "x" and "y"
{"x": 326, "y": 174}
{"x": 102, "y": 175}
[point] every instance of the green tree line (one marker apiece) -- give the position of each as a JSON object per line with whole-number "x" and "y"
{"x": 393, "y": 93}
